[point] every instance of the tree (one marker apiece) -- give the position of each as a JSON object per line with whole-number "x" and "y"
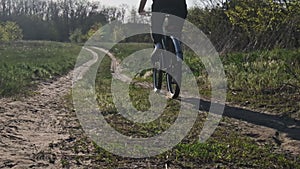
{"x": 266, "y": 23}
{"x": 241, "y": 25}
{"x": 215, "y": 24}
{"x": 52, "y": 20}
{"x": 93, "y": 30}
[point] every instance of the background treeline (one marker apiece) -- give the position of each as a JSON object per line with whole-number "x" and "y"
{"x": 232, "y": 25}
{"x": 243, "y": 25}
{"x": 56, "y": 20}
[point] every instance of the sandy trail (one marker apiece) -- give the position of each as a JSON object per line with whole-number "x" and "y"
{"x": 30, "y": 126}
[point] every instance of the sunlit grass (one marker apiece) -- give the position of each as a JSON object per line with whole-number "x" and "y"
{"x": 227, "y": 148}
{"x": 23, "y": 64}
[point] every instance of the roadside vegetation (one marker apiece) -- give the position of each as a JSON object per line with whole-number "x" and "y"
{"x": 267, "y": 80}
{"x": 248, "y": 25}
{"x": 228, "y": 147}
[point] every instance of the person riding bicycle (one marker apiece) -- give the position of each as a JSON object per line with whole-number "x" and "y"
{"x": 177, "y": 8}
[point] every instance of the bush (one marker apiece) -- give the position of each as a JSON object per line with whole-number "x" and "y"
{"x": 77, "y": 36}
{"x": 10, "y": 31}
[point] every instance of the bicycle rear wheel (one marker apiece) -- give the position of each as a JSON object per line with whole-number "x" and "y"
{"x": 173, "y": 83}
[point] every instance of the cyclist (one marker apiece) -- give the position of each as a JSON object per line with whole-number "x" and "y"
{"x": 176, "y": 8}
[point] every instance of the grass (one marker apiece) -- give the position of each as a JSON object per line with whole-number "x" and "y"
{"x": 227, "y": 148}
{"x": 126, "y": 49}
{"x": 23, "y": 64}
{"x": 264, "y": 79}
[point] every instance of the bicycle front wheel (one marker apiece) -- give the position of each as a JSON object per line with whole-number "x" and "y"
{"x": 157, "y": 79}
{"x": 174, "y": 72}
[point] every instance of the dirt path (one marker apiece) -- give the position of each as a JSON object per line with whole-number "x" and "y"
{"x": 31, "y": 128}
{"x": 30, "y": 125}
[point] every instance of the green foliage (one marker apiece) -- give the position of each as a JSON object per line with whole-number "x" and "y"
{"x": 266, "y": 23}
{"x": 215, "y": 24}
{"x": 10, "y": 31}
{"x": 96, "y": 27}
{"x": 263, "y": 71}
{"x": 77, "y": 36}
{"x": 249, "y": 25}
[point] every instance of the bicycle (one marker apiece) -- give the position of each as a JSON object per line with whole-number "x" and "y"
{"x": 169, "y": 66}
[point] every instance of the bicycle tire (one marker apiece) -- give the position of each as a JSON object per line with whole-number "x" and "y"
{"x": 174, "y": 83}
{"x": 173, "y": 86}
{"x": 157, "y": 79}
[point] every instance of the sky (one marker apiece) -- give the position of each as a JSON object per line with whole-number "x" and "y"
{"x": 133, "y": 3}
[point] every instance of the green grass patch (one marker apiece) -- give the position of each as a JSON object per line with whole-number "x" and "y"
{"x": 237, "y": 153}
{"x": 265, "y": 80}
{"x": 23, "y": 64}
{"x": 123, "y": 50}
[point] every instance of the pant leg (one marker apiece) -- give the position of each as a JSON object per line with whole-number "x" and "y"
{"x": 157, "y": 21}
{"x": 174, "y": 26}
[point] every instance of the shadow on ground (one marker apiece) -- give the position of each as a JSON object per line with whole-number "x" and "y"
{"x": 280, "y": 123}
